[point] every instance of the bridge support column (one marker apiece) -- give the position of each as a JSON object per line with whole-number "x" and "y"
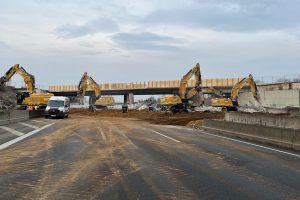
{"x": 129, "y": 98}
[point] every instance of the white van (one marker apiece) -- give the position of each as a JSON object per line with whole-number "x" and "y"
{"x": 58, "y": 107}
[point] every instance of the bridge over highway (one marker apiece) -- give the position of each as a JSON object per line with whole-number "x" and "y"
{"x": 145, "y": 88}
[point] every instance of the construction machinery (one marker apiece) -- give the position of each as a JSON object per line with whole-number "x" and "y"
{"x": 28, "y": 78}
{"x": 35, "y": 100}
{"x": 169, "y": 101}
{"x": 88, "y": 82}
{"x": 104, "y": 101}
{"x": 186, "y": 99}
{"x": 231, "y": 104}
{"x": 213, "y": 91}
{"x": 124, "y": 108}
{"x": 98, "y": 102}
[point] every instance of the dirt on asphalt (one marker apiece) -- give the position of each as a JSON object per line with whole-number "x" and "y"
{"x": 165, "y": 118}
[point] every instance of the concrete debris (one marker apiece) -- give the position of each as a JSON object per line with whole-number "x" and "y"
{"x": 208, "y": 109}
{"x": 143, "y": 107}
{"x": 85, "y": 106}
{"x": 251, "y": 109}
{"x": 197, "y": 124}
{"x": 137, "y": 106}
{"x": 8, "y": 98}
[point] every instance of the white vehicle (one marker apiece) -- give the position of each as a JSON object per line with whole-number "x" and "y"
{"x": 58, "y": 106}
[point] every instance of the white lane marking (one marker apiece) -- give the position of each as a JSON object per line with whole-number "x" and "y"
{"x": 9, "y": 143}
{"x": 125, "y": 136}
{"x": 102, "y": 133}
{"x": 177, "y": 127}
{"x": 28, "y": 125}
{"x": 251, "y": 144}
{"x": 165, "y": 136}
{"x": 39, "y": 121}
{"x": 13, "y": 131}
{"x": 172, "y": 126}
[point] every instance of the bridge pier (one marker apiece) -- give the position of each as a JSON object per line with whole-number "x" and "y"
{"x": 129, "y": 98}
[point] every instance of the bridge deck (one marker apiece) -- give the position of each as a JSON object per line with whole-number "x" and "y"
{"x": 152, "y": 85}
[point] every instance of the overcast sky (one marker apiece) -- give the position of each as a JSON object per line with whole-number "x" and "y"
{"x": 139, "y": 40}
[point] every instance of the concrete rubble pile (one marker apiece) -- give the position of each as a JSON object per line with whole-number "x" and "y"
{"x": 208, "y": 109}
{"x": 143, "y": 107}
{"x": 7, "y": 98}
{"x": 251, "y": 109}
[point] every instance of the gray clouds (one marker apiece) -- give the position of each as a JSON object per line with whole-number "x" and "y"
{"x": 155, "y": 39}
{"x": 145, "y": 41}
{"x": 4, "y": 46}
{"x": 89, "y": 28}
{"x": 233, "y": 15}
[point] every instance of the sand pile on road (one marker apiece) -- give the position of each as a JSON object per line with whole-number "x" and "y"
{"x": 195, "y": 124}
{"x": 181, "y": 119}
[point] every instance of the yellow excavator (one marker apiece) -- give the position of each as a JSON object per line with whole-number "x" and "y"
{"x": 231, "y": 104}
{"x": 192, "y": 98}
{"x": 85, "y": 82}
{"x": 28, "y": 78}
{"x": 99, "y": 102}
{"x": 35, "y": 100}
{"x": 213, "y": 91}
{"x": 104, "y": 101}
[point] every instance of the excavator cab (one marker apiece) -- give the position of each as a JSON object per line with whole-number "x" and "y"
{"x": 20, "y": 98}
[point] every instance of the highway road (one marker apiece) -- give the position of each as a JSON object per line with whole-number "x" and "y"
{"x": 115, "y": 158}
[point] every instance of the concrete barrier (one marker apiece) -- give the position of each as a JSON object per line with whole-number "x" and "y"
{"x": 19, "y": 115}
{"x": 288, "y": 138}
{"x": 296, "y": 142}
{"x": 276, "y": 98}
{"x": 4, "y": 117}
{"x": 279, "y": 121}
{"x": 36, "y": 113}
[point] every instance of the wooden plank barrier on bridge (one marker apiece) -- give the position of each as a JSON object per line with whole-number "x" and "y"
{"x": 224, "y": 82}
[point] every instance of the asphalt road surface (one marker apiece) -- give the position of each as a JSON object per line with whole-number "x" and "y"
{"x": 113, "y": 158}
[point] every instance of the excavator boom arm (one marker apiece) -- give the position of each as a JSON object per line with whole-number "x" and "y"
{"x": 95, "y": 87}
{"x": 245, "y": 81}
{"x": 28, "y": 78}
{"x": 184, "y": 81}
{"x": 212, "y": 90}
{"x": 85, "y": 82}
{"x": 12, "y": 71}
